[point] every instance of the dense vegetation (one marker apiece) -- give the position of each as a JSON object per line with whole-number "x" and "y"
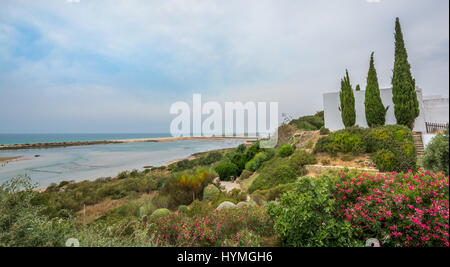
{"x": 309, "y": 123}
{"x": 436, "y": 157}
{"x": 392, "y": 146}
{"x": 183, "y": 207}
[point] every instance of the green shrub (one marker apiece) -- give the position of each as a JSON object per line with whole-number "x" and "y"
{"x": 162, "y": 201}
{"x": 122, "y": 175}
{"x": 285, "y": 151}
{"x": 241, "y": 149}
{"x": 273, "y": 193}
{"x": 283, "y": 174}
{"x": 308, "y": 123}
{"x": 394, "y": 138}
{"x": 185, "y": 187}
{"x": 309, "y": 144}
{"x": 198, "y": 208}
{"x": 252, "y": 151}
{"x": 305, "y": 217}
{"x": 270, "y": 153}
{"x": 22, "y": 224}
{"x": 210, "y": 192}
{"x": 254, "y": 164}
{"x": 227, "y": 170}
{"x": 300, "y": 159}
{"x": 385, "y": 160}
{"x": 436, "y": 157}
{"x": 324, "y": 131}
{"x": 159, "y": 213}
{"x": 210, "y": 158}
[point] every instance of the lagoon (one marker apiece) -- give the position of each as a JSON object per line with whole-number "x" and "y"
{"x": 107, "y": 160}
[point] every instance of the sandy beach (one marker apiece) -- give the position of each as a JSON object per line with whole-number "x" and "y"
{"x": 100, "y": 142}
{"x": 4, "y": 160}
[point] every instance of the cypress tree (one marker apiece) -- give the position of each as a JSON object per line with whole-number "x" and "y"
{"x": 347, "y": 107}
{"x": 406, "y": 106}
{"x": 375, "y": 110}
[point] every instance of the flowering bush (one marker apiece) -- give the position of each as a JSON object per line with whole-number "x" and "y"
{"x": 243, "y": 238}
{"x": 399, "y": 209}
{"x": 304, "y": 217}
{"x": 212, "y": 229}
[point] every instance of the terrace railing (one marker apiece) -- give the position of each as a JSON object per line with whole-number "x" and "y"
{"x": 435, "y": 127}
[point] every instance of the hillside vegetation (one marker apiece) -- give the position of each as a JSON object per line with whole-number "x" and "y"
{"x": 185, "y": 204}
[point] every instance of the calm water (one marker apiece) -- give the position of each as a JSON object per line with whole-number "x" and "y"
{"x": 12, "y": 139}
{"x": 91, "y": 162}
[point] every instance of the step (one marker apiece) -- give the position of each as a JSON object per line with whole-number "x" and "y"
{"x": 418, "y": 142}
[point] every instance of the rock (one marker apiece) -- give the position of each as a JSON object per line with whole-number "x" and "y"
{"x": 369, "y": 163}
{"x": 226, "y": 205}
{"x": 242, "y": 204}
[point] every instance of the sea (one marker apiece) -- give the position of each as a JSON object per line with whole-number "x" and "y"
{"x": 78, "y": 163}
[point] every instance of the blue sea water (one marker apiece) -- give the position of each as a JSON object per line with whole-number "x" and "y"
{"x": 107, "y": 160}
{"x": 13, "y": 139}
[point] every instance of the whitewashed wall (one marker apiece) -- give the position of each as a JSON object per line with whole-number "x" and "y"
{"x": 333, "y": 119}
{"x": 436, "y": 110}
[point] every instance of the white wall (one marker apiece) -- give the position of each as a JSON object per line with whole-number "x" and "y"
{"x": 436, "y": 110}
{"x": 426, "y": 139}
{"x": 333, "y": 119}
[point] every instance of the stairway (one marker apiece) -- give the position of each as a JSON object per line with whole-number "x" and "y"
{"x": 418, "y": 143}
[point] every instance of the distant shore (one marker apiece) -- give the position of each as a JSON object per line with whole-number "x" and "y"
{"x": 103, "y": 142}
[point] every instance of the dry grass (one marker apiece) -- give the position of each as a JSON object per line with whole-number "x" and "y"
{"x": 340, "y": 160}
{"x": 245, "y": 184}
{"x": 93, "y": 212}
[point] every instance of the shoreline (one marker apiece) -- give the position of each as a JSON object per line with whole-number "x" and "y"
{"x": 167, "y": 164}
{"x": 123, "y": 141}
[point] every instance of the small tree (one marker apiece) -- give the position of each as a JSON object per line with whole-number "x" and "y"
{"x": 347, "y": 107}
{"x": 406, "y": 106}
{"x": 358, "y": 88}
{"x": 375, "y": 110}
{"x": 436, "y": 157}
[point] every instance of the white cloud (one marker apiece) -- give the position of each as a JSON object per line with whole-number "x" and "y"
{"x": 289, "y": 50}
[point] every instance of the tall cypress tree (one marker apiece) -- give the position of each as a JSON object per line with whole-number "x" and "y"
{"x": 406, "y": 106}
{"x": 375, "y": 110}
{"x": 347, "y": 107}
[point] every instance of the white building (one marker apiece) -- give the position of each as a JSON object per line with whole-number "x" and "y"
{"x": 433, "y": 109}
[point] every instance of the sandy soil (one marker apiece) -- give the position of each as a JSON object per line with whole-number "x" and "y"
{"x": 4, "y": 160}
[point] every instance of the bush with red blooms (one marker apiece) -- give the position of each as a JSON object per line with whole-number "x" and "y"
{"x": 399, "y": 209}
{"x": 215, "y": 229}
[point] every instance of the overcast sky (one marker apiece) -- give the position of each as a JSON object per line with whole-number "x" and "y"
{"x": 98, "y": 66}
